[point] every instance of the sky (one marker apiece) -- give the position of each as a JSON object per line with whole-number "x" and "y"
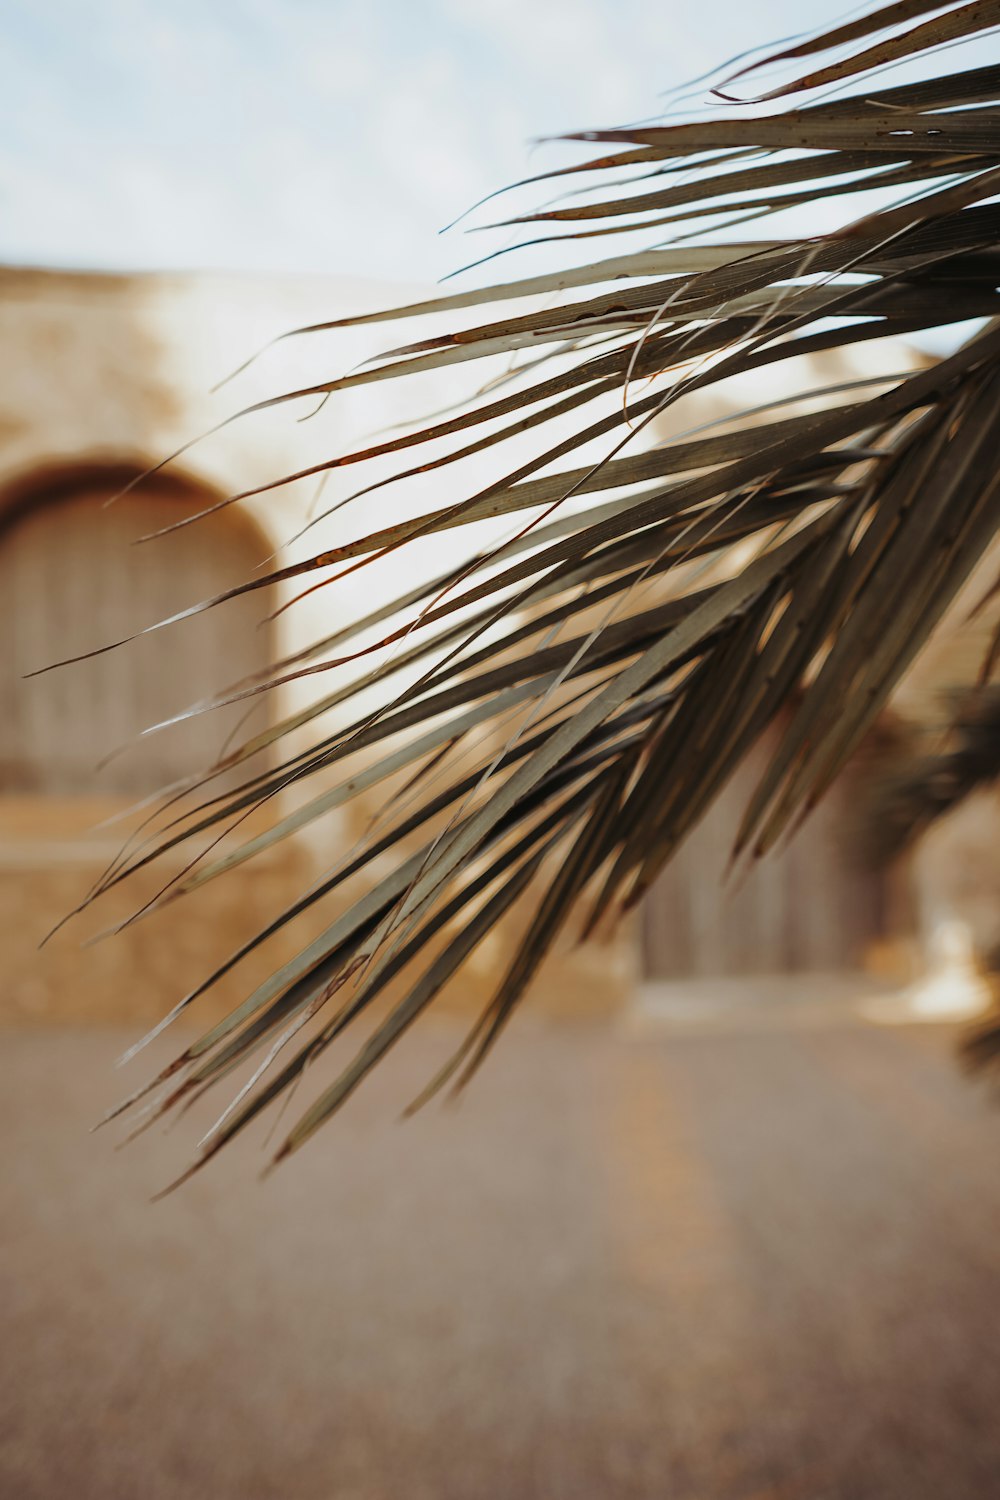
{"x": 318, "y": 135}
{"x": 333, "y": 136}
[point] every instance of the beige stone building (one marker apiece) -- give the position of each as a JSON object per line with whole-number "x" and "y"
{"x": 103, "y": 376}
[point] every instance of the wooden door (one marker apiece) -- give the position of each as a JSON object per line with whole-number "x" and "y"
{"x": 807, "y": 908}
{"x": 71, "y": 579}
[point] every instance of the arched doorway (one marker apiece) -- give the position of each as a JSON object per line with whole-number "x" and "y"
{"x": 810, "y": 907}
{"x": 72, "y": 580}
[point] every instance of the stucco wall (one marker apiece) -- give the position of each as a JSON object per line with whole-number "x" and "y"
{"x": 112, "y": 373}
{"x": 118, "y": 371}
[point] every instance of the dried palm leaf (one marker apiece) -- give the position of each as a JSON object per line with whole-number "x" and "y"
{"x": 557, "y": 712}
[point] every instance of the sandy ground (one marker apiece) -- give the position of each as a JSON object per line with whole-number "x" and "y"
{"x": 746, "y": 1264}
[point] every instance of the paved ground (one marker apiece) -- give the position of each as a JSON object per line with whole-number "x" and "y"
{"x": 749, "y": 1264}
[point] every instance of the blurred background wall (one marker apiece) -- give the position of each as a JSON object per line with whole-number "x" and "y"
{"x": 108, "y": 374}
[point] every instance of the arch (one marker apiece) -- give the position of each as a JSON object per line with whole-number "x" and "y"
{"x": 70, "y": 581}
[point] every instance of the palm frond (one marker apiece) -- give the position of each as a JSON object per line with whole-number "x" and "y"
{"x": 558, "y": 712}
